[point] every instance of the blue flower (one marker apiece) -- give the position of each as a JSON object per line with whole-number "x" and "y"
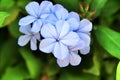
{"x": 81, "y": 27}
{"x": 37, "y": 14}
{"x": 58, "y": 39}
{"x": 73, "y": 58}
{"x": 63, "y": 32}
{"x": 29, "y": 36}
{"x": 83, "y": 31}
{"x": 58, "y": 12}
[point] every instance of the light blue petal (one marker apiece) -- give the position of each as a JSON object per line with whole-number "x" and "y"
{"x": 33, "y": 9}
{"x": 26, "y": 20}
{"x": 45, "y": 7}
{"x": 36, "y": 26}
{"x": 80, "y": 45}
{"x": 60, "y": 12}
{"x": 85, "y": 37}
{"x": 60, "y": 51}
{"x": 44, "y": 16}
{"x": 71, "y": 39}
{"x": 75, "y": 59}
{"x": 74, "y": 15}
{"x": 85, "y": 50}
{"x": 25, "y": 29}
{"x": 23, "y": 40}
{"x": 47, "y": 45}
{"x": 51, "y": 19}
{"x": 48, "y": 31}
{"x": 33, "y": 43}
{"x": 64, "y": 62}
{"x": 74, "y": 24}
{"x": 85, "y": 26}
{"x": 62, "y": 28}
{"x": 56, "y": 7}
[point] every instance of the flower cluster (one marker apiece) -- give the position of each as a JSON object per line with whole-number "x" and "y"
{"x": 64, "y": 34}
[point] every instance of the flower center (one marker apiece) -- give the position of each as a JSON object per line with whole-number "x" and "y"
{"x": 57, "y": 40}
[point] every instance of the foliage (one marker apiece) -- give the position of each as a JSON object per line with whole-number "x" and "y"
{"x": 101, "y": 63}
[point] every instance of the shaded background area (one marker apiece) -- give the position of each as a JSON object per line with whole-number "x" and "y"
{"x": 20, "y": 63}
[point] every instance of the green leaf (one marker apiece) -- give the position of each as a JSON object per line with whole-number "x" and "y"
{"x": 110, "y": 66}
{"x": 52, "y": 69}
{"x": 81, "y": 76}
{"x": 109, "y": 40}
{"x": 14, "y": 29}
{"x": 18, "y": 72}
{"x": 6, "y": 3}
{"x": 3, "y": 16}
{"x": 33, "y": 64}
{"x": 8, "y": 55}
{"x": 110, "y": 8}
{"x": 87, "y": 1}
{"x": 118, "y": 72}
{"x": 98, "y": 6}
{"x": 71, "y": 5}
{"x": 95, "y": 69}
{"x": 12, "y": 17}
{"x": 22, "y": 4}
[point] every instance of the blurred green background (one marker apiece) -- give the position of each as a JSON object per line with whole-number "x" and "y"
{"x": 20, "y": 63}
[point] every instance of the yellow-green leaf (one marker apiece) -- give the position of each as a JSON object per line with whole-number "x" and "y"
{"x": 3, "y": 16}
{"x": 118, "y": 72}
{"x": 13, "y": 15}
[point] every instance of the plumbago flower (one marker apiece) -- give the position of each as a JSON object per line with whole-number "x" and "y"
{"x": 84, "y": 33}
{"x": 29, "y": 36}
{"x": 37, "y": 15}
{"x": 58, "y": 12}
{"x": 63, "y": 32}
{"x": 83, "y": 45}
{"x": 58, "y": 39}
{"x": 82, "y": 27}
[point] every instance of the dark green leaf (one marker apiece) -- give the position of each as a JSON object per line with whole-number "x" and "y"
{"x": 95, "y": 69}
{"x": 110, "y": 66}
{"x": 81, "y": 76}
{"x": 14, "y": 29}
{"x": 8, "y": 54}
{"x": 72, "y": 5}
{"x": 52, "y": 69}
{"x": 22, "y": 3}
{"x": 111, "y": 7}
{"x": 98, "y": 6}
{"x": 109, "y": 40}
{"x": 33, "y": 64}
{"x": 87, "y": 1}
